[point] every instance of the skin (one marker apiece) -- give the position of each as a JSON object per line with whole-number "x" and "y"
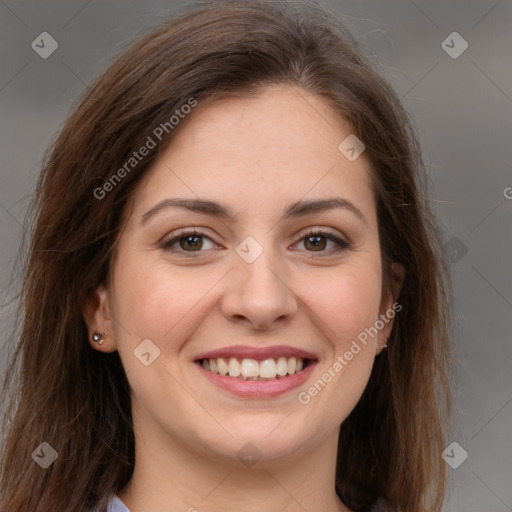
{"x": 256, "y": 155}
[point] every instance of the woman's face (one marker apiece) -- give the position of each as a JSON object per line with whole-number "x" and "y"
{"x": 284, "y": 263}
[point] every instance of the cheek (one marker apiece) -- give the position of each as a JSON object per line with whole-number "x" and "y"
{"x": 151, "y": 301}
{"x": 345, "y": 302}
{"x": 154, "y": 303}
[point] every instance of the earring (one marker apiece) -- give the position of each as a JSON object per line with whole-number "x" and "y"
{"x": 96, "y": 337}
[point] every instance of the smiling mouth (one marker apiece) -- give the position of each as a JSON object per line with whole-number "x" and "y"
{"x": 255, "y": 370}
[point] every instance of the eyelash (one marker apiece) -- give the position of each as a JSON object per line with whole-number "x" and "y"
{"x": 342, "y": 245}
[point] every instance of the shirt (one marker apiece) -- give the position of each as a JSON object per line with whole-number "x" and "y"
{"x": 116, "y": 505}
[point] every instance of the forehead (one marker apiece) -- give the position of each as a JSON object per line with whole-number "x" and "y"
{"x": 277, "y": 122}
{"x": 280, "y": 143}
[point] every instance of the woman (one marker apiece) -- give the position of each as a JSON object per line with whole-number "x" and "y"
{"x": 228, "y": 232}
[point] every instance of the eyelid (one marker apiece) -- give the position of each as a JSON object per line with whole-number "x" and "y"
{"x": 311, "y": 231}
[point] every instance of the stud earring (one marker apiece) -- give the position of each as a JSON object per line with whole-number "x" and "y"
{"x": 96, "y": 337}
{"x": 383, "y": 346}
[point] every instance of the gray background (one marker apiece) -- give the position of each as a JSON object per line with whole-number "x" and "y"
{"x": 462, "y": 109}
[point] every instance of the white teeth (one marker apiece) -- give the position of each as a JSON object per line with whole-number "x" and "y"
{"x": 234, "y": 367}
{"x": 282, "y": 366}
{"x": 251, "y": 369}
{"x": 268, "y": 369}
{"x": 222, "y": 366}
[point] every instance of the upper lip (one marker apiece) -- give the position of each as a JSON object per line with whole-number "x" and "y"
{"x": 260, "y": 353}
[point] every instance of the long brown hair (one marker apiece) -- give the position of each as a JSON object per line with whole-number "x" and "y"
{"x": 77, "y": 400}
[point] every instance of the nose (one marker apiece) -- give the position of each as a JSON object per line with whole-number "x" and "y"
{"x": 257, "y": 294}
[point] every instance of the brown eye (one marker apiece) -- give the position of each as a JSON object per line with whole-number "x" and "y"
{"x": 192, "y": 243}
{"x": 188, "y": 242}
{"x": 315, "y": 243}
{"x": 326, "y": 243}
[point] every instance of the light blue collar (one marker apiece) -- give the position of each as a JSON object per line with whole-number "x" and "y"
{"x": 116, "y": 505}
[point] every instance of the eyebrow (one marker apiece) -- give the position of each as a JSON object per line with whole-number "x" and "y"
{"x": 297, "y": 209}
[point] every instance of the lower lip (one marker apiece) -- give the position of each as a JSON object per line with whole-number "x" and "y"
{"x": 261, "y": 388}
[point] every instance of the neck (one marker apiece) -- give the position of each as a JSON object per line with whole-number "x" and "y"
{"x": 168, "y": 475}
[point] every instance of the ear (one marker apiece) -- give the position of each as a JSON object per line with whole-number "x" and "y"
{"x": 389, "y": 302}
{"x": 96, "y": 313}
